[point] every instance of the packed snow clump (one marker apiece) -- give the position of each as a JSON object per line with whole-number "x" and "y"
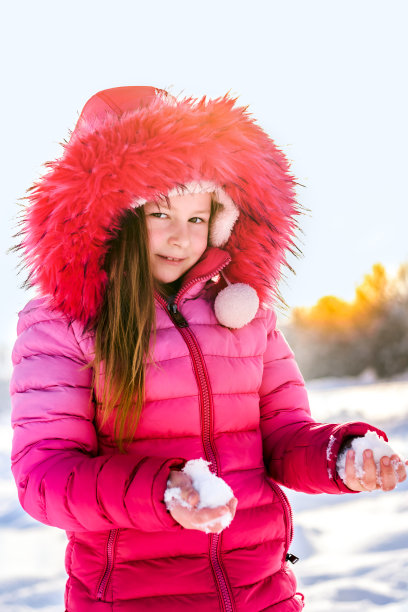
{"x": 213, "y": 492}
{"x": 370, "y": 441}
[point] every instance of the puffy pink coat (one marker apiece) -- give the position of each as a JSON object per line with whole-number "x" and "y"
{"x": 234, "y": 397}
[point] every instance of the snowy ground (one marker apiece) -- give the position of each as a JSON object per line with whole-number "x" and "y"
{"x": 353, "y": 549}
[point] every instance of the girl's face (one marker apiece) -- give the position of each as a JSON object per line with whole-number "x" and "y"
{"x": 178, "y": 234}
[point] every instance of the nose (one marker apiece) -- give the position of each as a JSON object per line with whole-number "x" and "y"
{"x": 179, "y": 234}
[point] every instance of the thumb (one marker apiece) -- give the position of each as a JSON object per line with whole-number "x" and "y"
{"x": 193, "y": 497}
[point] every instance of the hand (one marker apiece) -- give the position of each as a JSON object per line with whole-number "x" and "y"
{"x": 389, "y": 476}
{"x": 193, "y": 517}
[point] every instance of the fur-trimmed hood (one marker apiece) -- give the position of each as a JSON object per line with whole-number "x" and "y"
{"x": 134, "y": 144}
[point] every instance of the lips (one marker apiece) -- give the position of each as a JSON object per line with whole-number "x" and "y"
{"x": 171, "y": 259}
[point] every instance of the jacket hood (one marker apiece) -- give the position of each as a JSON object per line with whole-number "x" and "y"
{"x": 136, "y": 144}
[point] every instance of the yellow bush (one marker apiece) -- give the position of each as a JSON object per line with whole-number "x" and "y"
{"x": 334, "y": 315}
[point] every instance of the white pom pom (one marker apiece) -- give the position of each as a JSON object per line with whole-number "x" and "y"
{"x": 236, "y": 305}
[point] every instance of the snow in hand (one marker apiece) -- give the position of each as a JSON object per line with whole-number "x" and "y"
{"x": 213, "y": 491}
{"x": 370, "y": 441}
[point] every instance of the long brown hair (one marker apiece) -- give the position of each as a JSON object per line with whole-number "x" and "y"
{"x": 126, "y": 328}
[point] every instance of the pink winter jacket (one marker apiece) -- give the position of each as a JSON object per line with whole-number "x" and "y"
{"x": 233, "y": 397}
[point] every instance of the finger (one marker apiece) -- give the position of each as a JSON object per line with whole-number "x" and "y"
{"x": 179, "y": 479}
{"x": 188, "y": 493}
{"x": 205, "y": 515}
{"x": 204, "y": 519}
{"x": 350, "y": 469}
{"x": 388, "y": 475}
{"x": 192, "y": 497}
{"x": 208, "y": 516}
{"x": 189, "y": 496}
{"x": 350, "y": 473}
{"x": 232, "y": 505}
{"x": 399, "y": 468}
{"x": 184, "y": 517}
{"x": 369, "y": 479}
{"x": 195, "y": 520}
{"x": 215, "y": 525}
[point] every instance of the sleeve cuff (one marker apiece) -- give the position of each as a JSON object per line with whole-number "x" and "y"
{"x": 158, "y": 489}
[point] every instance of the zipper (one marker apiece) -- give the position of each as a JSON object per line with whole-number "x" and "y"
{"x": 177, "y": 316}
{"x": 207, "y": 434}
{"x": 219, "y": 573}
{"x": 288, "y": 519}
{"x": 110, "y": 547}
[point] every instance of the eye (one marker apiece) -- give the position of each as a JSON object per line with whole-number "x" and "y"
{"x": 158, "y": 215}
{"x": 197, "y": 220}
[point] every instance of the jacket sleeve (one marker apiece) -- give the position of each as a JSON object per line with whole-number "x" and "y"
{"x": 61, "y": 480}
{"x": 298, "y": 452}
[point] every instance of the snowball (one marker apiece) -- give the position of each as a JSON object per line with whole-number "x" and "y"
{"x": 370, "y": 441}
{"x": 213, "y": 492}
{"x": 174, "y": 494}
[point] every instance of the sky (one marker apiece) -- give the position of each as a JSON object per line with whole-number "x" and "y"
{"x": 326, "y": 79}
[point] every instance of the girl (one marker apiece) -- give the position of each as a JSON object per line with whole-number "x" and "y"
{"x": 156, "y": 242}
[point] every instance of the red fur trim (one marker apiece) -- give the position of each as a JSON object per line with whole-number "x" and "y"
{"x": 76, "y": 206}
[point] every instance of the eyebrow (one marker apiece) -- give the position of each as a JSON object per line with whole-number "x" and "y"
{"x": 162, "y": 205}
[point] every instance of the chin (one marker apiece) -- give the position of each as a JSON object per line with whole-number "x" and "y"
{"x": 169, "y": 275}
{"x": 168, "y": 278}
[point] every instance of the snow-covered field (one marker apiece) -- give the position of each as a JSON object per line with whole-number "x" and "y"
{"x": 353, "y": 549}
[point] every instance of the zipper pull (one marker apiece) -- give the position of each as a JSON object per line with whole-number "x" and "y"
{"x": 177, "y": 316}
{"x": 292, "y": 558}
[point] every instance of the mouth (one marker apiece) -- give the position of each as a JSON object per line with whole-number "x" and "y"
{"x": 171, "y": 259}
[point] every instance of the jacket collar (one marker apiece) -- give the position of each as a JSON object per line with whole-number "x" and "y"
{"x": 211, "y": 262}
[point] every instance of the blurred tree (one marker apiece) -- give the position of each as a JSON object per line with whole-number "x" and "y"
{"x": 339, "y": 338}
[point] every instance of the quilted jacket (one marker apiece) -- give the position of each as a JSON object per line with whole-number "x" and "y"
{"x": 233, "y": 397}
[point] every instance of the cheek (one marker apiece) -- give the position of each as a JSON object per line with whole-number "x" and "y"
{"x": 153, "y": 236}
{"x": 201, "y": 239}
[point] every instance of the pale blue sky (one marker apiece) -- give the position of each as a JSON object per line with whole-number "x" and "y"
{"x": 326, "y": 79}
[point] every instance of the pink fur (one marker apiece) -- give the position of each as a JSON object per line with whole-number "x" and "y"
{"x": 113, "y": 160}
